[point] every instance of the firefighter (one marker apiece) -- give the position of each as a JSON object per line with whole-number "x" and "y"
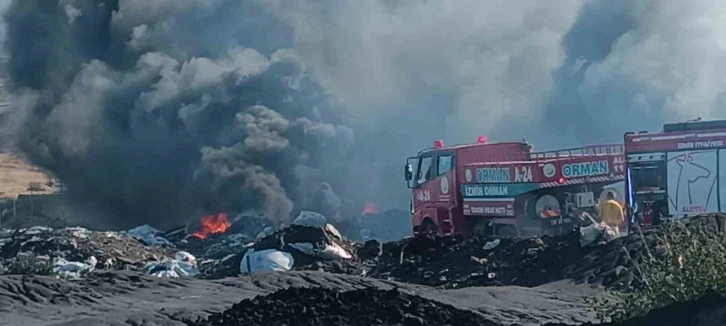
{"x": 611, "y": 212}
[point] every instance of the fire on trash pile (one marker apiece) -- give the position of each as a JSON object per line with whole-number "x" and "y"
{"x": 220, "y": 247}
{"x": 225, "y": 246}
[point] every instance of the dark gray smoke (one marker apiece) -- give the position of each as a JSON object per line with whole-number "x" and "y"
{"x": 146, "y": 109}
{"x": 153, "y": 109}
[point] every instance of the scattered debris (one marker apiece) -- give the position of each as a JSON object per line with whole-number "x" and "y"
{"x": 595, "y": 234}
{"x": 73, "y": 270}
{"x": 492, "y": 244}
{"x": 148, "y": 235}
{"x": 184, "y": 264}
{"x": 41, "y": 250}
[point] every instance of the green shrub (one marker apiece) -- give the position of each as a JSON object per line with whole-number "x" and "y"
{"x": 25, "y": 264}
{"x": 683, "y": 266}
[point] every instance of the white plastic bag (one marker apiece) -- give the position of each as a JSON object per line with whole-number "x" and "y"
{"x": 183, "y": 264}
{"x": 265, "y": 261}
{"x": 492, "y": 244}
{"x": 329, "y": 252}
{"x": 147, "y": 234}
{"x": 73, "y": 270}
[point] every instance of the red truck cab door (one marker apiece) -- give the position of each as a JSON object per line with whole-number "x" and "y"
{"x": 434, "y": 194}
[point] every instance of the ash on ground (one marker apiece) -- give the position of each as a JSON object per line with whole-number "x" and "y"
{"x": 319, "y": 306}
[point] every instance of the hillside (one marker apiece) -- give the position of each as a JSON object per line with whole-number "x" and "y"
{"x": 16, "y": 174}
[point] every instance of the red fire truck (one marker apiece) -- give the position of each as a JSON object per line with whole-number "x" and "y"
{"x": 507, "y": 189}
{"x": 676, "y": 172}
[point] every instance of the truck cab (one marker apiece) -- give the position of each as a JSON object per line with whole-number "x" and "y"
{"x": 507, "y": 189}
{"x": 676, "y": 172}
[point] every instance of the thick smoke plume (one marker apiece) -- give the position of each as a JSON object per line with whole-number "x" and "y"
{"x": 150, "y": 110}
{"x": 633, "y": 65}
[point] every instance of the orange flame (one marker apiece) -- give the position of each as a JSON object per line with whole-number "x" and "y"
{"x": 369, "y": 208}
{"x": 213, "y": 224}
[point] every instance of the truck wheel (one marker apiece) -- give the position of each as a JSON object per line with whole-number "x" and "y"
{"x": 428, "y": 227}
{"x": 507, "y": 231}
{"x": 480, "y": 227}
{"x": 545, "y": 204}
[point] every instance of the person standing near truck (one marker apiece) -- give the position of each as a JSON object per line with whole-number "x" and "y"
{"x": 611, "y": 212}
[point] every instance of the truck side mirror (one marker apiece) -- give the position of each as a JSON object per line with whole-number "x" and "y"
{"x": 408, "y": 173}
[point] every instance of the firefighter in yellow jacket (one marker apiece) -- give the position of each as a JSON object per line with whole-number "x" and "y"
{"x": 611, "y": 212}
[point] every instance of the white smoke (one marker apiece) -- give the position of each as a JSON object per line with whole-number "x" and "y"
{"x": 474, "y": 63}
{"x": 669, "y": 66}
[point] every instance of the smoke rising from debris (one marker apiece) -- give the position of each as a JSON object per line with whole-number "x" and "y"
{"x": 633, "y": 65}
{"x": 153, "y": 109}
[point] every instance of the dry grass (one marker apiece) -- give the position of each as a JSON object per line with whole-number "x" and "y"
{"x": 16, "y": 174}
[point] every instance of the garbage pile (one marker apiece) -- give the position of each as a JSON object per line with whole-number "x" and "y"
{"x": 298, "y": 247}
{"x": 251, "y": 244}
{"x": 449, "y": 262}
{"x": 454, "y": 263}
{"x": 310, "y": 243}
{"x": 243, "y": 245}
{"x": 72, "y": 251}
{"x": 243, "y": 230}
{"x": 320, "y": 306}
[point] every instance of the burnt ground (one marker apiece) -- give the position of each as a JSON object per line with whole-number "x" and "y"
{"x": 710, "y": 310}
{"x": 370, "y": 306}
{"x": 128, "y": 298}
{"x": 364, "y": 307}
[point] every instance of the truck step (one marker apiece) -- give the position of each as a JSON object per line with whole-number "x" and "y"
{"x": 446, "y": 228}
